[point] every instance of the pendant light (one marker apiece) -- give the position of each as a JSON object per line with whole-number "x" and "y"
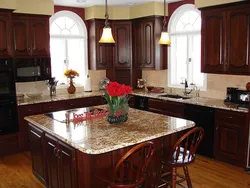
{"x": 164, "y": 34}
{"x": 107, "y": 36}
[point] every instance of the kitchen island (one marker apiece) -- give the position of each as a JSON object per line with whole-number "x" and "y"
{"x": 69, "y": 154}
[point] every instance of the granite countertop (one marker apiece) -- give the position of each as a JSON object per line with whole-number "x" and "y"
{"x": 97, "y": 136}
{"x": 58, "y": 97}
{"x": 209, "y": 102}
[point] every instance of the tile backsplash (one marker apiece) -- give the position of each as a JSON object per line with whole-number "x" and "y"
{"x": 40, "y": 86}
{"x": 216, "y": 83}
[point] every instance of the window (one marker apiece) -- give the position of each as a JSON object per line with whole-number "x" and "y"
{"x": 68, "y": 46}
{"x": 185, "y": 51}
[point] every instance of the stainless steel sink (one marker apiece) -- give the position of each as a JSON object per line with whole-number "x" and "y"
{"x": 175, "y": 96}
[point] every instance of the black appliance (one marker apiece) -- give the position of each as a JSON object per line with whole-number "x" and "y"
{"x": 242, "y": 96}
{"x": 231, "y": 94}
{"x": 8, "y": 107}
{"x": 141, "y": 103}
{"x": 32, "y": 69}
{"x": 203, "y": 117}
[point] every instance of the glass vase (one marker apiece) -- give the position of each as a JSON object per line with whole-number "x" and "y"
{"x": 113, "y": 119}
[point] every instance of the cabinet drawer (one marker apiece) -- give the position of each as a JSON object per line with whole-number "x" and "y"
{"x": 229, "y": 117}
{"x": 55, "y": 106}
{"x": 27, "y": 110}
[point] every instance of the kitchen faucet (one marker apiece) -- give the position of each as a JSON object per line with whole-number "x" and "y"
{"x": 186, "y": 92}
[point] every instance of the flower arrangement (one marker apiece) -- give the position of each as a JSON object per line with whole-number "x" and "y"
{"x": 117, "y": 98}
{"x": 69, "y": 73}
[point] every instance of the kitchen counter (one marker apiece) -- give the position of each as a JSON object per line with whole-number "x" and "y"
{"x": 209, "y": 102}
{"x": 97, "y": 136}
{"x": 58, "y": 97}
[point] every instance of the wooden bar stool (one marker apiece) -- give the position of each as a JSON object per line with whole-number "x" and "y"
{"x": 130, "y": 171}
{"x": 181, "y": 154}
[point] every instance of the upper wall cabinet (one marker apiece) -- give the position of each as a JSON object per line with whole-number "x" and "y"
{"x": 226, "y": 40}
{"x": 31, "y": 35}
{"x": 147, "y": 53}
{"x": 100, "y": 55}
{"x": 122, "y": 31}
{"x": 6, "y": 49}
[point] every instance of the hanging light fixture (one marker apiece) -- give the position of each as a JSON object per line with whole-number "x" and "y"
{"x": 107, "y": 36}
{"x": 164, "y": 34}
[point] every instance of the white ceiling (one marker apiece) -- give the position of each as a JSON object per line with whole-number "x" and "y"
{"x": 89, "y": 3}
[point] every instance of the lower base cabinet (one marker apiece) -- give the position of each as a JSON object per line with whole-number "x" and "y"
{"x": 231, "y": 137}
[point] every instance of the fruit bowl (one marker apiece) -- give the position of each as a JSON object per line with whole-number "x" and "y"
{"x": 150, "y": 88}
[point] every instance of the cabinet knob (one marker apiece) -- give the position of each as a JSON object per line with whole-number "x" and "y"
{"x": 55, "y": 153}
{"x": 29, "y": 110}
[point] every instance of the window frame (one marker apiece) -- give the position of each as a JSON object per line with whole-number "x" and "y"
{"x": 171, "y": 25}
{"x": 83, "y": 34}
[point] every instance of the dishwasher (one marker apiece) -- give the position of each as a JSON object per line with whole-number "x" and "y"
{"x": 203, "y": 117}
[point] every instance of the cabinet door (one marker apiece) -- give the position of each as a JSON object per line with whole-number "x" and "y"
{"x": 39, "y": 28}
{"x": 239, "y": 41}
{"x": 229, "y": 144}
{"x": 36, "y": 150}
{"x": 5, "y": 34}
{"x": 213, "y": 45}
{"x": 137, "y": 45}
{"x": 148, "y": 44}
{"x": 52, "y": 161}
{"x": 67, "y": 166}
{"x": 104, "y": 52}
{"x": 123, "y": 49}
{"x": 22, "y": 46}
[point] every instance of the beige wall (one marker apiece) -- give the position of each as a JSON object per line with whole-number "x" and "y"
{"x": 45, "y": 7}
{"x": 216, "y": 83}
{"x": 115, "y": 13}
{"x": 205, "y": 3}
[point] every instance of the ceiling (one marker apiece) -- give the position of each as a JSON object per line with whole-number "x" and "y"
{"x": 89, "y": 3}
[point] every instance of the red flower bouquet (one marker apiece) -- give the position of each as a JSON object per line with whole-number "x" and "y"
{"x": 117, "y": 98}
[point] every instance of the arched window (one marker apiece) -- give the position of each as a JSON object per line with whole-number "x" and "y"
{"x": 185, "y": 51}
{"x": 68, "y": 46}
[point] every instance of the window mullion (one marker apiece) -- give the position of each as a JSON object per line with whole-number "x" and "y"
{"x": 66, "y": 53}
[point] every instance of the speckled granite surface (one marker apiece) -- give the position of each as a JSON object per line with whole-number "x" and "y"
{"x": 209, "y": 102}
{"x": 47, "y": 98}
{"x": 98, "y": 136}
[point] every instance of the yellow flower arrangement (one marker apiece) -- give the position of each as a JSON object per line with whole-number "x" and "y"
{"x": 69, "y": 73}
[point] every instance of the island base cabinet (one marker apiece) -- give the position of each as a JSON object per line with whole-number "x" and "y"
{"x": 61, "y": 164}
{"x": 37, "y": 153}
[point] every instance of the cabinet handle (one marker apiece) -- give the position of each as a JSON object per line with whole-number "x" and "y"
{"x": 229, "y": 117}
{"x": 29, "y": 110}
{"x": 216, "y": 128}
{"x": 55, "y": 153}
{"x": 59, "y": 154}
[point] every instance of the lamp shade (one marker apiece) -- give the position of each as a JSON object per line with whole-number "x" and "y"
{"x": 164, "y": 38}
{"x": 107, "y": 36}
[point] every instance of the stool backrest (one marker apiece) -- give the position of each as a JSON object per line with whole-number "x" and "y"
{"x": 185, "y": 148}
{"x": 132, "y": 167}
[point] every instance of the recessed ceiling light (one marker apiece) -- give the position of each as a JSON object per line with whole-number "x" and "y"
{"x": 81, "y": 1}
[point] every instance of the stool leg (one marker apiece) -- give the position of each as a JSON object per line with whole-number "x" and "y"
{"x": 189, "y": 183}
{"x": 174, "y": 173}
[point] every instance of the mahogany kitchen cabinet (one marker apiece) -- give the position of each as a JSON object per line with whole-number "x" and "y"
{"x": 31, "y": 35}
{"x": 25, "y": 110}
{"x": 226, "y": 39}
{"x": 61, "y": 163}
{"x": 231, "y": 137}
{"x": 6, "y": 47}
{"x": 147, "y": 53}
{"x": 100, "y": 55}
{"x": 168, "y": 108}
{"x": 123, "y": 48}
{"x": 37, "y": 153}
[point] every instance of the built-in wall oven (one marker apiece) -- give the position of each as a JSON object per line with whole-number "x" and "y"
{"x": 8, "y": 107}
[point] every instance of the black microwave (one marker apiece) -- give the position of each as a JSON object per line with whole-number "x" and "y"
{"x": 242, "y": 96}
{"x": 32, "y": 69}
